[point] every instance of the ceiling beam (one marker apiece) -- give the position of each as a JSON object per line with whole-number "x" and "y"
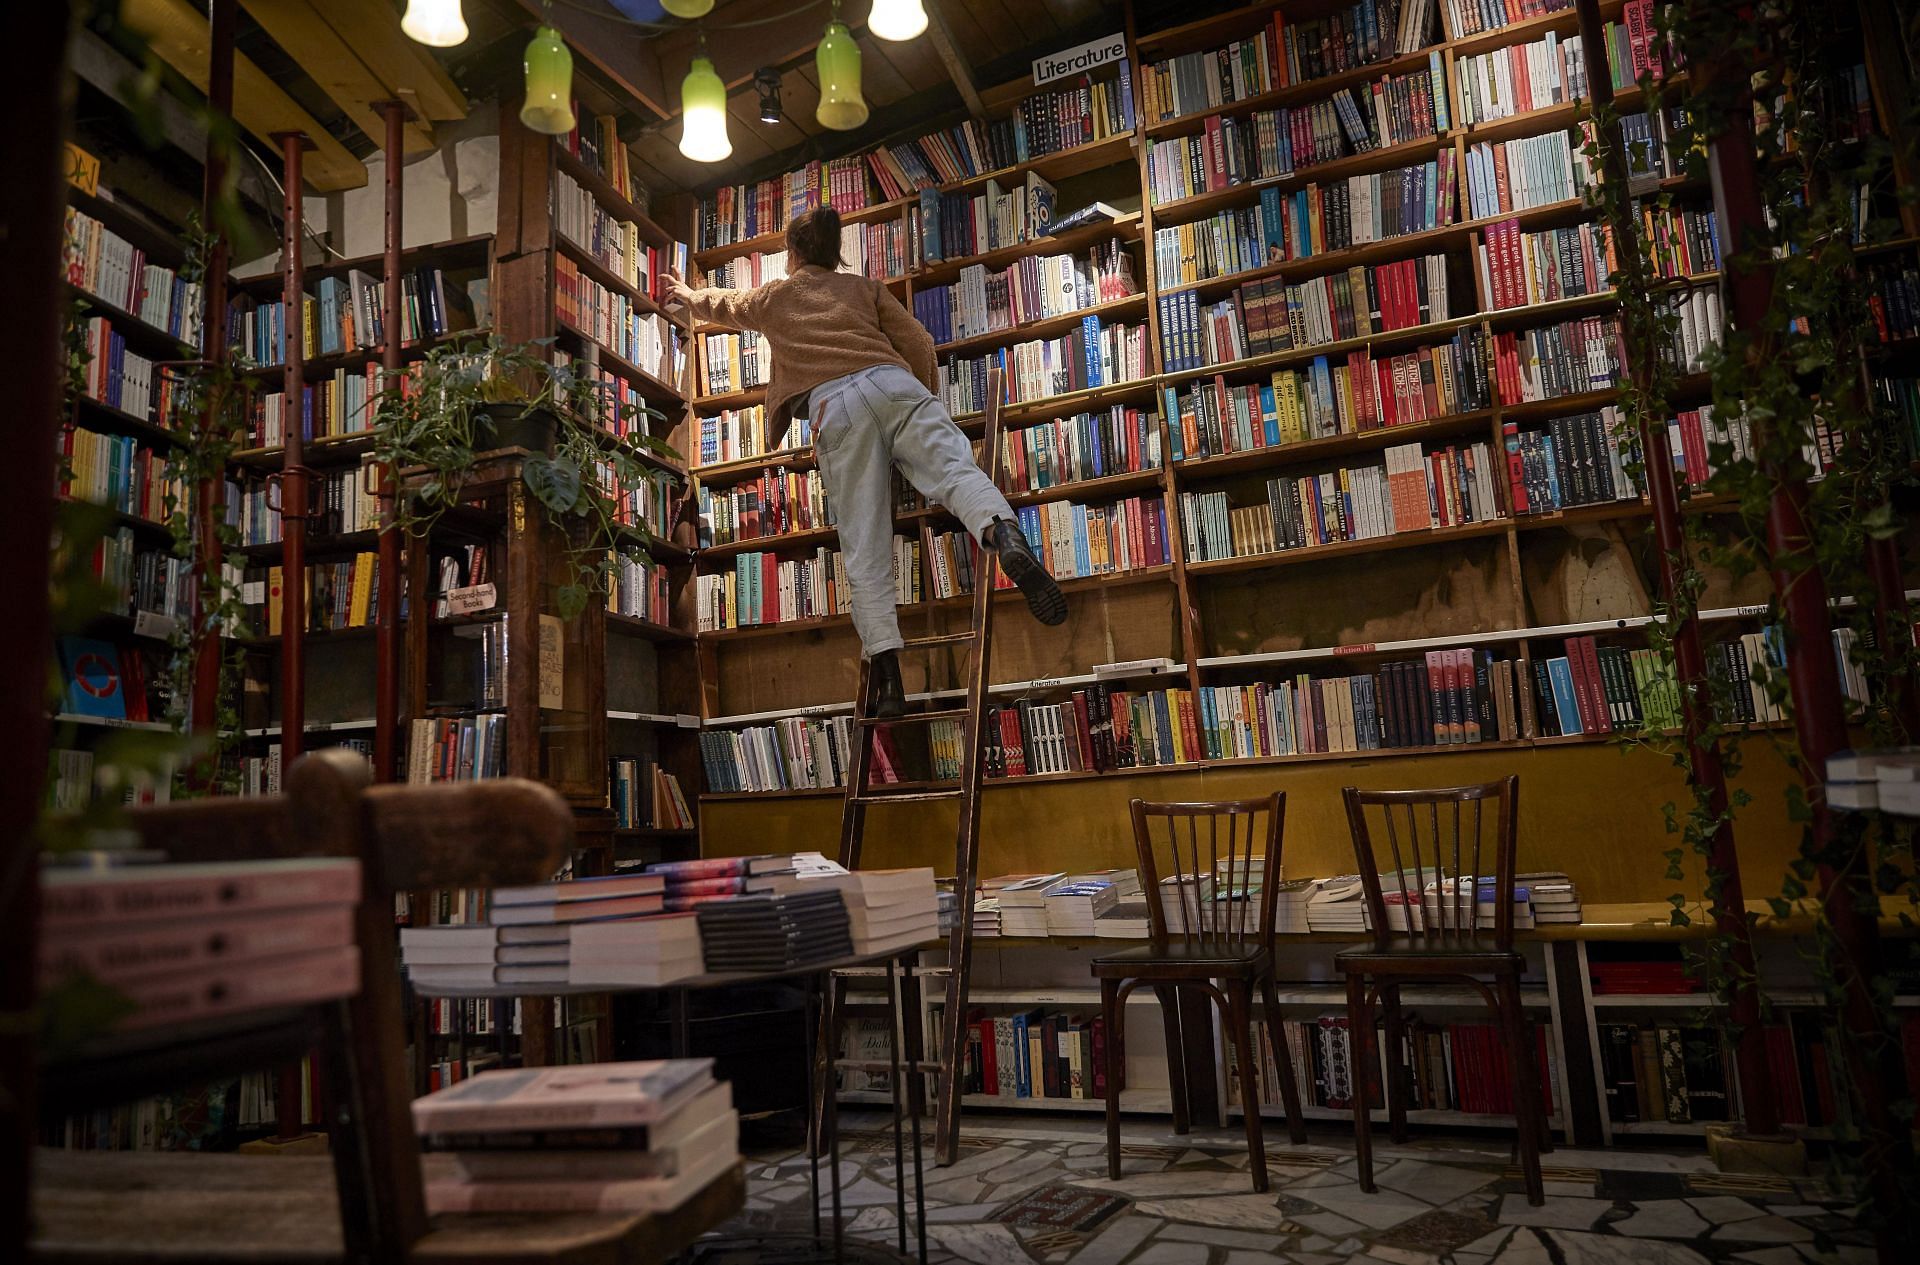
{"x": 178, "y": 33}
{"x": 340, "y": 70}
{"x": 957, "y": 69}
{"x": 373, "y": 29}
{"x": 624, "y": 53}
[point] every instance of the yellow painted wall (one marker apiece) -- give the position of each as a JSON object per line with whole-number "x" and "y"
{"x": 1591, "y": 809}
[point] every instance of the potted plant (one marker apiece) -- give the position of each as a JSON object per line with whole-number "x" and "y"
{"x": 458, "y": 402}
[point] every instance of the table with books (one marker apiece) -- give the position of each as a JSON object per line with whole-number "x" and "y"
{"x": 670, "y": 928}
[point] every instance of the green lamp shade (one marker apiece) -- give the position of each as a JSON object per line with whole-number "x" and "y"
{"x": 688, "y": 8}
{"x": 842, "y": 108}
{"x": 437, "y": 23}
{"x": 549, "y": 107}
{"x": 703, "y": 114}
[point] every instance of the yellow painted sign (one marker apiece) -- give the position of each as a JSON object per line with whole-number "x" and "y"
{"x": 83, "y": 170}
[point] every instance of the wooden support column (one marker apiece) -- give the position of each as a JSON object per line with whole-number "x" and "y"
{"x": 1818, "y": 718}
{"x": 1723, "y": 858}
{"x": 209, "y": 496}
{"x": 31, "y": 206}
{"x": 386, "y": 675}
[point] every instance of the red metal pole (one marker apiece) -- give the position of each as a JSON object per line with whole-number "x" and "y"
{"x": 1818, "y": 717}
{"x": 31, "y": 202}
{"x": 210, "y": 495}
{"x": 293, "y": 528}
{"x": 386, "y": 702}
{"x": 1690, "y": 662}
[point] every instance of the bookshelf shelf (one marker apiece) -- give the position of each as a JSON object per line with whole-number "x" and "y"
{"x": 349, "y": 542}
{"x": 657, "y": 390}
{"x": 812, "y": 538}
{"x": 120, "y": 518}
{"x": 1059, "y": 165}
{"x": 1351, "y": 548}
{"x": 1413, "y": 335}
{"x": 1046, "y": 327}
{"x": 327, "y": 450}
{"x": 468, "y": 249}
{"x": 313, "y": 636}
{"x": 1198, "y": 205}
{"x": 592, "y": 267}
{"x": 945, "y": 271}
{"x": 645, "y": 629}
{"x": 710, "y": 404}
{"x": 615, "y": 202}
{"x": 1526, "y": 30}
{"x": 139, "y": 334}
{"x": 317, "y": 368}
{"x": 109, "y": 722}
{"x": 748, "y": 467}
{"x": 1304, "y": 92}
{"x": 98, "y": 416}
{"x": 1310, "y": 450}
{"x": 1083, "y": 489}
{"x": 1048, "y": 407}
{"x": 706, "y": 258}
{"x": 644, "y": 718}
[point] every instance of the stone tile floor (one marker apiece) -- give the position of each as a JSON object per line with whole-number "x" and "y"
{"x": 1028, "y": 1191}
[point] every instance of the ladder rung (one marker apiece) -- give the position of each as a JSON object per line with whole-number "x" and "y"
{"x": 910, "y": 797}
{"x": 925, "y": 1068}
{"x": 945, "y": 639}
{"x": 916, "y": 718}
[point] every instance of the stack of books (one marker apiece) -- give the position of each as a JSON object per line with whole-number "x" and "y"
{"x": 1552, "y": 896}
{"x": 1023, "y": 903}
{"x": 607, "y": 1137}
{"x": 1290, "y": 906}
{"x": 1337, "y": 904}
{"x": 1075, "y": 904}
{"x": 1182, "y": 899}
{"x": 949, "y": 906}
{"x": 888, "y": 911}
{"x": 693, "y": 883}
{"x": 1128, "y": 919}
{"x": 986, "y": 918}
{"x": 528, "y": 937}
{"x": 775, "y": 931}
{"x": 188, "y": 942}
{"x": 1888, "y": 779}
{"x": 635, "y": 952}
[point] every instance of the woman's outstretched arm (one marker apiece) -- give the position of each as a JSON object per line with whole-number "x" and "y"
{"x": 735, "y": 309}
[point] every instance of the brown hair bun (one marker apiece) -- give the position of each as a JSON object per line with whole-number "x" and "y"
{"x": 813, "y": 237}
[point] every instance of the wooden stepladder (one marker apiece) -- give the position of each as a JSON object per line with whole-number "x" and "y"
{"x": 965, "y": 792}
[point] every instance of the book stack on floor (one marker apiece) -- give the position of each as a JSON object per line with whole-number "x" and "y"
{"x": 774, "y": 932}
{"x": 1023, "y": 903}
{"x": 603, "y": 1137}
{"x": 888, "y": 911}
{"x": 537, "y": 935}
{"x": 203, "y": 941}
{"x": 1075, "y": 904}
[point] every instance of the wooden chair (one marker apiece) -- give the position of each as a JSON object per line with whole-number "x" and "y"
{"x": 1443, "y": 840}
{"x": 367, "y": 1204}
{"x": 1223, "y": 947}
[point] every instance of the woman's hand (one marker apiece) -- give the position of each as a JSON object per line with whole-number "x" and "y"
{"x": 678, "y": 291}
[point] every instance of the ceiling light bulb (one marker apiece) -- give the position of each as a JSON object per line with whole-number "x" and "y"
{"x": 896, "y": 19}
{"x": 435, "y": 23}
{"x": 703, "y": 114}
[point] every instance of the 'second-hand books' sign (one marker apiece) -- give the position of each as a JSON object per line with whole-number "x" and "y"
{"x": 1079, "y": 59}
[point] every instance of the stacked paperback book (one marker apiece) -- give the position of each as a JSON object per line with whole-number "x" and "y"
{"x": 774, "y": 931}
{"x": 1075, "y": 904}
{"x": 203, "y": 941}
{"x": 1338, "y": 904}
{"x": 1023, "y": 903}
{"x": 602, "y": 1137}
{"x": 888, "y": 911}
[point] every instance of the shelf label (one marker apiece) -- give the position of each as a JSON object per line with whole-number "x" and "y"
{"x": 1043, "y": 683}
{"x": 473, "y": 598}
{"x": 1080, "y": 58}
{"x": 154, "y": 624}
{"x": 82, "y": 170}
{"x": 687, "y": 722}
{"x": 1358, "y": 647}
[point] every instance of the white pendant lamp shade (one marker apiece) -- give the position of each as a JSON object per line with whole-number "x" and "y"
{"x": 896, "y": 19}
{"x": 436, "y": 23}
{"x": 703, "y": 114}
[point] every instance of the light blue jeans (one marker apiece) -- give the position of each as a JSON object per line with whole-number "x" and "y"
{"x": 864, "y": 424}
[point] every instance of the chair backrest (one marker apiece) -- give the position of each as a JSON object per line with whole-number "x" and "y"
{"x": 1449, "y": 856}
{"x": 1214, "y": 853}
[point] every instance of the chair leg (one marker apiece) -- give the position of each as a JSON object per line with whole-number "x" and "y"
{"x": 1111, "y": 1016}
{"x": 1394, "y": 1074}
{"x": 1283, "y": 1056}
{"x": 1526, "y": 1086}
{"x": 1239, "y": 1024}
{"x": 1359, "y": 1047}
{"x": 1176, "y": 1057}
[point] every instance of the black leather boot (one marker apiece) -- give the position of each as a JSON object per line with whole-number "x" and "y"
{"x": 1044, "y": 598}
{"x": 889, "y": 694}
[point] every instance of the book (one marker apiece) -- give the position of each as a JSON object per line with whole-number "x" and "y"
{"x": 704, "y": 1158}
{"x": 121, "y": 953}
{"x": 596, "y": 1095}
{"x": 74, "y": 899}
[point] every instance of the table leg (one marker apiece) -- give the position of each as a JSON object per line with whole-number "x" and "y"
{"x": 811, "y": 1024}
{"x": 833, "y": 1147}
{"x": 893, "y": 1060}
{"x": 680, "y": 1036}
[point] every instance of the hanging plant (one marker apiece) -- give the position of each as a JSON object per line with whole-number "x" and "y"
{"x": 584, "y": 448}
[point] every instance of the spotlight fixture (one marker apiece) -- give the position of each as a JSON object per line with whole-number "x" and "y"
{"x": 896, "y": 19}
{"x": 837, "y": 60}
{"x": 436, "y": 23}
{"x": 766, "y": 82}
{"x": 703, "y": 112}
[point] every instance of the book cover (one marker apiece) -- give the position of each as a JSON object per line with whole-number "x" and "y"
{"x": 598, "y": 1094}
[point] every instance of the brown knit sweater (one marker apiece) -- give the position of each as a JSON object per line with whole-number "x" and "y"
{"x": 822, "y": 325}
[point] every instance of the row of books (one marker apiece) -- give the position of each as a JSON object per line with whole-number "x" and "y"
{"x": 1066, "y": 450}
{"x": 1411, "y": 490}
{"x": 762, "y": 588}
{"x": 645, "y": 796}
{"x": 260, "y": 768}
{"x": 187, "y": 942}
{"x": 1230, "y": 151}
{"x": 1095, "y": 355}
{"x": 1329, "y": 397}
{"x": 596, "y": 143}
{"x": 1894, "y": 298}
{"x": 100, "y": 262}
{"x": 456, "y": 748}
{"x": 955, "y": 224}
{"x": 1519, "y": 269}
{"x": 1596, "y": 689}
{"x": 1032, "y": 288}
{"x": 119, "y": 472}
{"x": 793, "y": 753}
{"x": 879, "y": 249}
{"x": 342, "y": 403}
{"x": 1571, "y": 461}
{"x": 738, "y": 213}
{"x": 339, "y": 594}
{"x": 1270, "y": 315}
{"x": 1472, "y": 17}
{"x": 139, "y": 578}
{"x": 340, "y": 499}
{"x": 1674, "y": 1073}
{"x": 345, "y": 313}
{"x": 736, "y": 434}
{"x": 641, "y": 589}
{"x": 121, "y": 378}
{"x": 1522, "y": 77}
{"x": 1037, "y": 1053}
{"x": 1526, "y": 172}
{"x": 1074, "y": 540}
{"x": 126, "y": 682}
{"x": 1550, "y": 361}
{"x": 734, "y": 362}
{"x": 615, "y": 243}
{"x": 777, "y": 502}
{"x": 1681, "y": 241}
{"x": 650, "y": 501}
{"x": 648, "y": 340}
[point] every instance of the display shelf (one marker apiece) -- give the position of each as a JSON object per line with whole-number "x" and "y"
{"x": 743, "y": 468}
{"x": 120, "y": 518}
{"x": 328, "y": 450}
{"x": 426, "y": 255}
{"x": 1529, "y": 29}
{"x": 1044, "y": 327}
{"x": 1198, "y": 205}
{"x": 708, "y": 405}
{"x": 312, "y": 727}
{"x": 1431, "y": 332}
{"x": 945, "y": 271}
{"x": 141, "y": 335}
{"x": 1350, "y": 548}
{"x": 647, "y": 629}
{"x": 1310, "y": 450}
{"x": 312, "y": 637}
{"x": 317, "y": 544}
{"x": 644, "y": 718}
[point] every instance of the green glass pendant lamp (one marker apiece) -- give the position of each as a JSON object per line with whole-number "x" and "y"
{"x": 549, "y": 66}
{"x": 837, "y": 60}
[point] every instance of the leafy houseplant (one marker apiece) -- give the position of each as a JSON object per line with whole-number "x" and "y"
{"x": 459, "y": 401}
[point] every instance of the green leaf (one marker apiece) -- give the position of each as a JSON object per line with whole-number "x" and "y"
{"x": 554, "y": 480}
{"x": 570, "y": 600}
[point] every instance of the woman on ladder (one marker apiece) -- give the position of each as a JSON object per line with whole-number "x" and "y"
{"x": 846, "y": 354}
